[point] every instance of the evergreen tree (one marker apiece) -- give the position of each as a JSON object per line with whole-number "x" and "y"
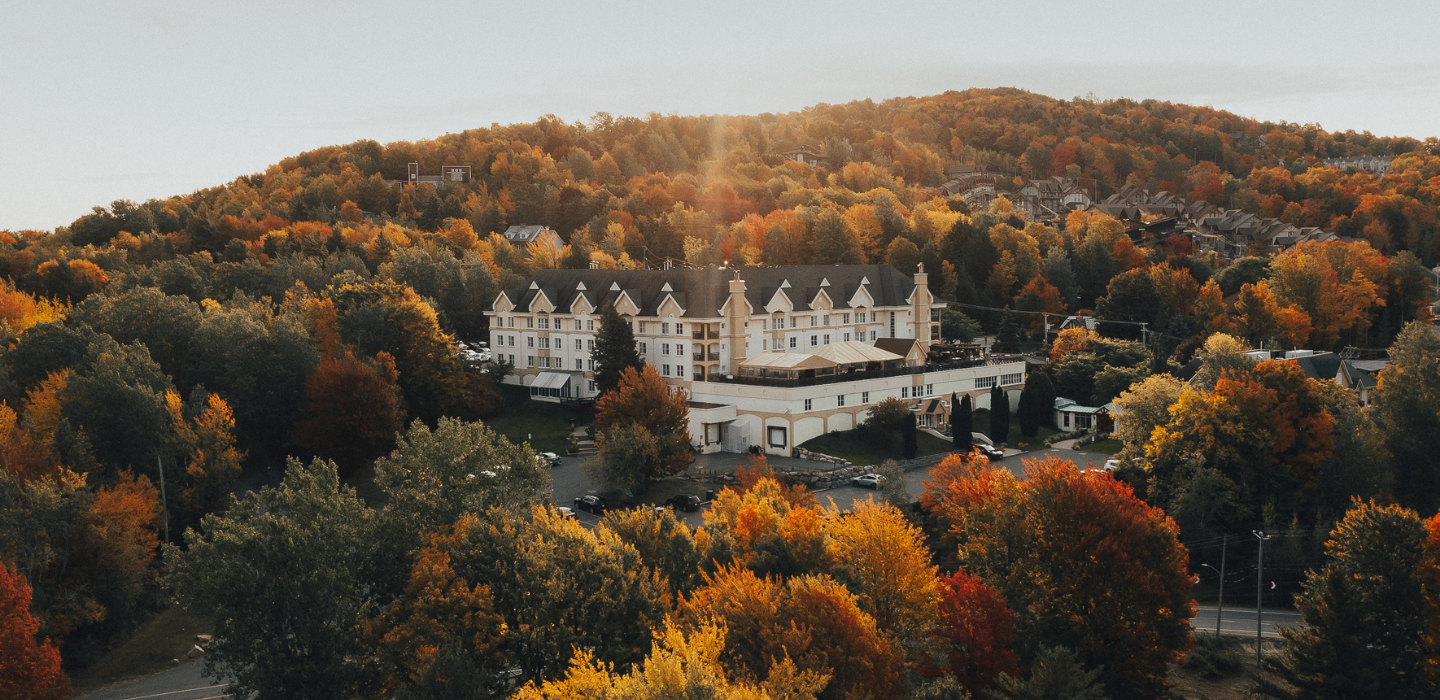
{"x": 999, "y": 415}
{"x": 962, "y": 423}
{"x": 907, "y": 436}
{"x": 1007, "y": 338}
{"x": 960, "y": 441}
{"x": 614, "y": 350}
{"x": 1037, "y": 402}
{"x": 1364, "y": 615}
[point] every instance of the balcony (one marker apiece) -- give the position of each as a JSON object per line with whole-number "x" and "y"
{"x": 714, "y": 357}
{"x": 698, "y": 356}
{"x": 848, "y": 376}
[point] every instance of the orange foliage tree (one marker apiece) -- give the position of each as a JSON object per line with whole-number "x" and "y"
{"x": 646, "y": 400}
{"x": 29, "y": 667}
{"x": 768, "y": 534}
{"x": 352, "y": 411}
{"x": 1125, "y": 605}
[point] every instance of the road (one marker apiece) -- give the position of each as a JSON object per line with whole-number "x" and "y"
{"x": 1241, "y": 621}
{"x": 179, "y": 683}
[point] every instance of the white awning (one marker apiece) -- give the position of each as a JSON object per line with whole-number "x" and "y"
{"x": 550, "y": 380}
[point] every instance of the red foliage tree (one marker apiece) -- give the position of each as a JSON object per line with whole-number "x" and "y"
{"x": 353, "y": 410}
{"x": 29, "y": 668}
{"x": 977, "y": 629}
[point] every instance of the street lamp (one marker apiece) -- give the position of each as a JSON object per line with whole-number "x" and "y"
{"x": 1259, "y": 590}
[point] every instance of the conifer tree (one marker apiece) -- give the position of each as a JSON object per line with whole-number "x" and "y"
{"x": 962, "y": 423}
{"x": 960, "y": 441}
{"x": 614, "y": 350}
{"x": 1036, "y": 403}
{"x": 999, "y": 415}
{"x": 907, "y": 436}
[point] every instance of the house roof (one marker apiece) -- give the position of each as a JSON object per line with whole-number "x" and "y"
{"x": 702, "y": 293}
{"x": 523, "y": 235}
{"x": 550, "y": 380}
{"x": 1065, "y": 405}
{"x": 1320, "y": 366}
{"x": 900, "y": 346}
{"x": 853, "y": 352}
{"x": 786, "y": 360}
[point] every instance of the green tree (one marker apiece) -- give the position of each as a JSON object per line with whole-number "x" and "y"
{"x": 1008, "y": 337}
{"x": 1143, "y": 407}
{"x": 1056, "y": 674}
{"x": 1407, "y": 411}
{"x": 1037, "y": 403}
{"x": 908, "y": 447}
{"x": 623, "y": 455}
{"x": 664, "y": 542}
{"x": 284, "y": 576}
{"x": 1364, "y": 614}
{"x": 999, "y": 415}
{"x": 956, "y": 327}
{"x": 116, "y": 400}
{"x": 163, "y": 324}
{"x": 962, "y": 423}
{"x": 643, "y": 399}
{"x": 835, "y": 240}
{"x": 614, "y": 350}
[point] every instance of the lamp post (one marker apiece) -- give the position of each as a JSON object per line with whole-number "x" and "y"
{"x": 1259, "y": 590}
{"x": 1220, "y": 608}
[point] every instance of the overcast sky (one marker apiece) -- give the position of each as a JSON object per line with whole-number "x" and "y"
{"x": 132, "y": 100}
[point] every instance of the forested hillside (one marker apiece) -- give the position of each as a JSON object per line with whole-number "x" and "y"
{"x": 312, "y": 310}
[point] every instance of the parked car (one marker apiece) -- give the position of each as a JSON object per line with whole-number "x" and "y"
{"x": 591, "y": 504}
{"x": 868, "y": 481}
{"x": 566, "y": 513}
{"x": 685, "y": 502}
{"x": 990, "y": 451}
{"x": 549, "y": 457}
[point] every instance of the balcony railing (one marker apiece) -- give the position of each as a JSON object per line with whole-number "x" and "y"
{"x": 846, "y": 376}
{"x": 714, "y": 357}
{"x": 697, "y": 356}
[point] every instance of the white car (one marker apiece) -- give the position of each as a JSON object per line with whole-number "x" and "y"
{"x": 566, "y": 512}
{"x": 550, "y": 457}
{"x": 869, "y": 481}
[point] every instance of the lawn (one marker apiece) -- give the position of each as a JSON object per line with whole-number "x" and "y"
{"x": 864, "y": 448}
{"x": 1014, "y": 439}
{"x": 546, "y": 426}
{"x": 167, "y": 636}
{"x": 1108, "y": 447}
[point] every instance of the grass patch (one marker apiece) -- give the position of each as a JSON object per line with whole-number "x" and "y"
{"x": 1108, "y": 447}
{"x": 546, "y": 426}
{"x": 151, "y": 649}
{"x": 864, "y": 447}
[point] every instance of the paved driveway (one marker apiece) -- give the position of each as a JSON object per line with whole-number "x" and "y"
{"x": 180, "y": 683}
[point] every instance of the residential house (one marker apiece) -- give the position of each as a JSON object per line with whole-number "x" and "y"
{"x": 522, "y": 236}
{"x": 1375, "y": 164}
{"x": 805, "y": 154}
{"x": 1070, "y": 416}
{"x": 770, "y": 356}
{"x": 1360, "y": 376}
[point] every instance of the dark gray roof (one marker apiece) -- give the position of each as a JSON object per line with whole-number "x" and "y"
{"x": 1321, "y": 366}
{"x": 899, "y": 346}
{"x": 520, "y": 235}
{"x": 702, "y": 292}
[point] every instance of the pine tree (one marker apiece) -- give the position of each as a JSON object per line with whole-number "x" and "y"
{"x": 907, "y": 436}
{"x": 614, "y": 350}
{"x": 999, "y": 415}
{"x": 962, "y": 423}
{"x": 1037, "y": 402}
{"x": 956, "y": 438}
{"x": 1364, "y": 614}
{"x": 1007, "y": 337}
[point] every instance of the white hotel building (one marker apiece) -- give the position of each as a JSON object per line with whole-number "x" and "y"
{"x": 770, "y": 356}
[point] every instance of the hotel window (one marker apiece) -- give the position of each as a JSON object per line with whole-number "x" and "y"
{"x": 847, "y": 319}
{"x": 825, "y": 320}
{"x": 679, "y": 329}
{"x": 545, "y": 362}
{"x": 512, "y": 360}
{"x": 984, "y": 382}
{"x": 840, "y": 400}
{"x": 664, "y": 348}
{"x": 529, "y": 322}
{"x": 859, "y": 316}
{"x": 775, "y": 435}
{"x": 807, "y": 404}
{"x": 579, "y": 364}
{"x": 892, "y": 324}
{"x": 529, "y": 360}
{"x": 589, "y": 343}
{"x": 929, "y": 389}
{"x": 872, "y": 336}
{"x": 512, "y": 341}
{"x": 680, "y": 349}
{"x": 592, "y": 385}
{"x": 590, "y": 326}
{"x": 812, "y": 321}
{"x": 792, "y": 341}
{"x": 665, "y": 370}
{"x": 642, "y": 326}
{"x": 577, "y": 324}
{"x": 780, "y": 323}
{"x": 827, "y": 339}
{"x": 577, "y": 343}
{"x": 680, "y": 371}
{"x": 814, "y": 340}
{"x": 665, "y": 328}
{"x": 864, "y": 397}
{"x": 1008, "y": 379}
{"x": 764, "y": 344}
{"x": 847, "y": 337}
{"x": 545, "y": 344}
{"x": 643, "y": 349}
{"x": 529, "y": 341}
{"x": 510, "y": 322}
{"x": 544, "y": 322}
{"x": 904, "y": 392}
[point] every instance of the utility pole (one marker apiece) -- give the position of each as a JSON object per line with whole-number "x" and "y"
{"x": 1259, "y": 591}
{"x": 1220, "y": 607}
{"x": 164, "y": 503}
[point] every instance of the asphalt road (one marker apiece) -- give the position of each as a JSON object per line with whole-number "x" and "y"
{"x": 1240, "y": 622}
{"x": 179, "y": 683}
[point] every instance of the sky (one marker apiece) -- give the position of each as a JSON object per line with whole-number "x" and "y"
{"x": 101, "y": 101}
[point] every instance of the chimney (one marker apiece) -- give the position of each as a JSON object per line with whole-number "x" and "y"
{"x": 735, "y": 319}
{"x": 920, "y": 307}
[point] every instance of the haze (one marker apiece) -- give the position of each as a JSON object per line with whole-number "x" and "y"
{"x": 105, "y": 101}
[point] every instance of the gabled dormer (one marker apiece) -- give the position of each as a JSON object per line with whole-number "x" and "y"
{"x": 821, "y": 301}
{"x": 627, "y": 304}
{"x": 862, "y": 299}
{"x": 780, "y": 303}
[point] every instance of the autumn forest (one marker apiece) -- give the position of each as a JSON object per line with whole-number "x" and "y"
{"x": 253, "y": 347}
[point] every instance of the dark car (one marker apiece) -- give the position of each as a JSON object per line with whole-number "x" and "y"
{"x": 591, "y": 504}
{"x": 990, "y": 451}
{"x": 685, "y": 502}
